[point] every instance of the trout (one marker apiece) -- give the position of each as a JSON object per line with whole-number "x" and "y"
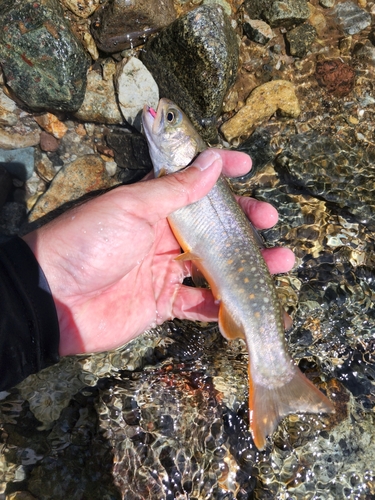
{"x": 215, "y": 234}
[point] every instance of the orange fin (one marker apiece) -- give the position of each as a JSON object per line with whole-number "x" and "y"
{"x": 270, "y": 405}
{"x": 187, "y": 256}
{"x": 229, "y": 327}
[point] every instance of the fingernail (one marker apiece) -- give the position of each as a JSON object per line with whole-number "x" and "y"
{"x": 206, "y": 159}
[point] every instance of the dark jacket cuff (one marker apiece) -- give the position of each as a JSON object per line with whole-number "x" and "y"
{"x": 29, "y": 329}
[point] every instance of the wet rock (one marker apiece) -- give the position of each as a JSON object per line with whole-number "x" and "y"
{"x": 258, "y": 147}
{"x": 46, "y": 67}
{"x": 223, "y": 3}
{"x": 335, "y": 76}
{"x": 121, "y": 24}
{"x": 194, "y": 61}
{"x": 351, "y": 18}
{"x": 51, "y": 124}
{"x": 18, "y": 162}
{"x": 48, "y": 142}
{"x": 258, "y": 31}
{"x": 5, "y": 184}
{"x": 255, "y": 8}
{"x": 90, "y": 45}
{"x": 77, "y": 179}
{"x": 135, "y": 88}
{"x": 100, "y": 102}
{"x": 82, "y": 8}
{"x": 131, "y": 154}
{"x": 262, "y": 103}
{"x": 300, "y": 39}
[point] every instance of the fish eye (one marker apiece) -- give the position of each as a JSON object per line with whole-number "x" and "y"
{"x": 173, "y": 116}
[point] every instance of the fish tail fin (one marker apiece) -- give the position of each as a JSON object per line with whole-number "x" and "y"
{"x": 269, "y": 405}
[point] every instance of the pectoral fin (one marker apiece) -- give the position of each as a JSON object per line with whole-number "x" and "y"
{"x": 187, "y": 256}
{"x": 229, "y": 327}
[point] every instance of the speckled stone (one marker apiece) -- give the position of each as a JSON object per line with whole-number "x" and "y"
{"x": 82, "y": 8}
{"x": 46, "y": 66}
{"x": 194, "y": 61}
{"x": 284, "y": 13}
{"x": 258, "y": 31}
{"x": 121, "y": 24}
{"x": 262, "y": 103}
{"x": 300, "y": 39}
{"x": 80, "y": 177}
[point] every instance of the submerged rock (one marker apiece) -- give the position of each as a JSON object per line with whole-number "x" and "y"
{"x": 194, "y": 61}
{"x": 46, "y": 66}
{"x": 300, "y": 39}
{"x": 258, "y": 31}
{"x": 335, "y": 76}
{"x": 284, "y": 13}
{"x": 351, "y": 18}
{"x": 262, "y": 103}
{"x": 121, "y": 24}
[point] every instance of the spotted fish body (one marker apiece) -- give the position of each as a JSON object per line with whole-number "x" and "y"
{"x": 215, "y": 233}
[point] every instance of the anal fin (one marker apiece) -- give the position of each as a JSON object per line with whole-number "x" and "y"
{"x": 229, "y": 327}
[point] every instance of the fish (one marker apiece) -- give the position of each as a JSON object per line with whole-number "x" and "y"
{"x": 215, "y": 234}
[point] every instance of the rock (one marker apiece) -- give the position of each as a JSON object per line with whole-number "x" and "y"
{"x": 23, "y": 134}
{"x": 300, "y": 39}
{"x": 131, "y": 155}
{"x": 46, "y": 67}
{"x": 51, "y": 124}
{"x": 8, "y": 110}
{"x": 82, "y": 8}
{"x": 287, "y": 13}
{"x": 278, "y": 12}
{"x": 73, "y": 181}
{"x": 5, "y": 184}
{"x": 258, "y": 31}
{"x": 44, "y": 168}
{"x": 223, "y": 3}
{"x": 48, "y": 142}
{"x": 194, "y": 61}
{"x": 123, "y": 24}
{"x": 351, "y": 18}
{"x": 335, "y": 76}
{"x": 100, "y": 102}
{"x": 135, "y": 88}
{"x": 18, "y": 162}
{"x": 327, "y": 4}
{"x": 262, "y": 103}
{"x": 90, "y": 46}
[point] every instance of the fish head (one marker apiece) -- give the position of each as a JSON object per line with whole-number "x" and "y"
{"x": 173, "y": 141}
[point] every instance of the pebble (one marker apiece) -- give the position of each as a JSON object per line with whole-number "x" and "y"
{"x": 44, "y": 167}
{"x": 300, "y": 39}
{"x": 82, "y": 8}
{"x": 8, "y": 110}
{"x": 48, "y": 142}
{"x": 286, "y": 13}
{"x": 73, "y": 181}
{"x": 258, "y": 31}
{"x": 51, "y": 124}
{"x": 24, "y": 134}
{"x": 18, "y": 162}
{"x": 327, "y": 4}
{"x": 100, "y": 102}
{"x": 352, "y": 18}
{"x": 262, "y": 103}
{"x": 135, "y": 87}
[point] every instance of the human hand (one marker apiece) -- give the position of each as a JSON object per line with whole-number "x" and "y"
{"x": 110, "y": 262}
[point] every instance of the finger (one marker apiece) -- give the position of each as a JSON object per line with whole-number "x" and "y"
{"x": 279, "y": 260}
{"x": 157, "y": 198}
{"x": 235, "y": 163}
{"x": 262, "y": 214}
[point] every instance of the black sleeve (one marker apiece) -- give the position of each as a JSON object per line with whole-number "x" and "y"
{"x": 29, "y": 329}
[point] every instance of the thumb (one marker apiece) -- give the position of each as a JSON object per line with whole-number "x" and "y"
{"x": 171, "y": 192}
